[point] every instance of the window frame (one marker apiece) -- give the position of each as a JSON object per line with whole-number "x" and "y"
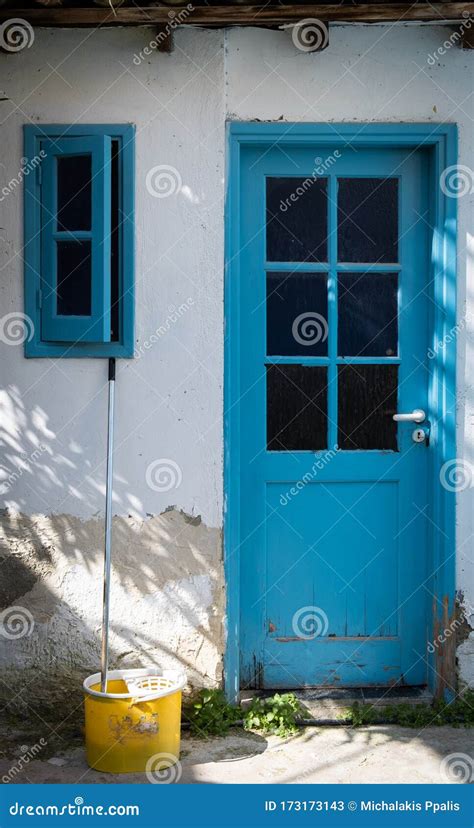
{"x": 35, "y": 346}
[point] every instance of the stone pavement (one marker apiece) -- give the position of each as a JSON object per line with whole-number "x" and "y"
{"x": 382, "y": 753}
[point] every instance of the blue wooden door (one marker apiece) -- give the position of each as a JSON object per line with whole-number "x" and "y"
{"x": 332, "y": 343}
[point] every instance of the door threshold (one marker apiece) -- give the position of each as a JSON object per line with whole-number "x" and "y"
{"x": 330, "y": 702}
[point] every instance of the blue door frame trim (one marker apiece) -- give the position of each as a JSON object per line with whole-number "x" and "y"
{"x": 441, "y": 140}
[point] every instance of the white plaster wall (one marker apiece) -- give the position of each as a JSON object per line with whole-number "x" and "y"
{"x": 169, "y": 401}
{"x": 167, "y": 594}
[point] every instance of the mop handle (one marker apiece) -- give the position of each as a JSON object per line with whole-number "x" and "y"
{"x": 108, "y": 530}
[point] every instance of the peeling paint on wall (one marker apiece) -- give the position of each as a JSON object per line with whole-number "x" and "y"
{"x": 167, "y": 600}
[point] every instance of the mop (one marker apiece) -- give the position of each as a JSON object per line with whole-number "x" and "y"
{"x": 135, "y": 727}
{"x": 104, "y": 660}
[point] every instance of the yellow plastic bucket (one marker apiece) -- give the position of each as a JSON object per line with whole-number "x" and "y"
{"x": 136, "y": 724}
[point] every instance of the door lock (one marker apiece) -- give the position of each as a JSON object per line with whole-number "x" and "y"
{"x": 421, "y": 435}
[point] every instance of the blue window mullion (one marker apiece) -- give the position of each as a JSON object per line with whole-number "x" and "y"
{"x": 101, "y": 227}
{"x": 332, "y": 312}
{"x": 297, "y": 267}
{"x": 48, "y": 259}
{"x": 368, "y": 267}
{"x": 298, "y": 359}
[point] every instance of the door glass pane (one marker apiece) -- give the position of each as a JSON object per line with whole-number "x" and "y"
{"x": 74, "y": 278}
{"x": 297, "y": 312}
{"x": 368, "y": 314}
{"x": 367, "y": 401}
{"x": 115, "y": 245}
{"x": 367, "y": 220}
{"x": 296, "y": 408}
{"x": 297, "y": 219}
{"x": 74, "y": 192}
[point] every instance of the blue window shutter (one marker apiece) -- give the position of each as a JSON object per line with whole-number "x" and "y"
{"x": 93, "y": 327}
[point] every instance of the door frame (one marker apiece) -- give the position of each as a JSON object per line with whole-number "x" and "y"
{"x": 441, "y": 139}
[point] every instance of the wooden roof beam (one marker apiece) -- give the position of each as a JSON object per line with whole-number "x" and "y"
{"x": 239, "y": 15}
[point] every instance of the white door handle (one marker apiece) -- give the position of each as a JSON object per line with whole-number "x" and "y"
{"x": 416, "y": 416}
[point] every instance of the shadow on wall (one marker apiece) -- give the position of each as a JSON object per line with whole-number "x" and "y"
{"x": 166, "y": 607}
{"x": 167, "y": 596}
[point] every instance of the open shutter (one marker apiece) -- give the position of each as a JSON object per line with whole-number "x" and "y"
{"x": 75, "y": 239}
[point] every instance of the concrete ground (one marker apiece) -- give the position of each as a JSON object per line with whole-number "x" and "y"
{"x": 328, "y": 754}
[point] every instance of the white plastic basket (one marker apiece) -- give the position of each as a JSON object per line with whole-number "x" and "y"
{"x": 143, "y": 684}
{"x": 151, "y": 687}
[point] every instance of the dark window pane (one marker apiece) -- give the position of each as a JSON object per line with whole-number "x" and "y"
{"x": 368, "y": 314}
{"x": 74, "y": 192}
{"x": 74, "y": 278}
{"x": 115, "y": 246}
{"x": 296, "y": 408}
{"x": 297, "y": 312}
{"x": 367, "y": 401}
{"x": 367, "y": 220}
{"x": 297, "y": 219}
